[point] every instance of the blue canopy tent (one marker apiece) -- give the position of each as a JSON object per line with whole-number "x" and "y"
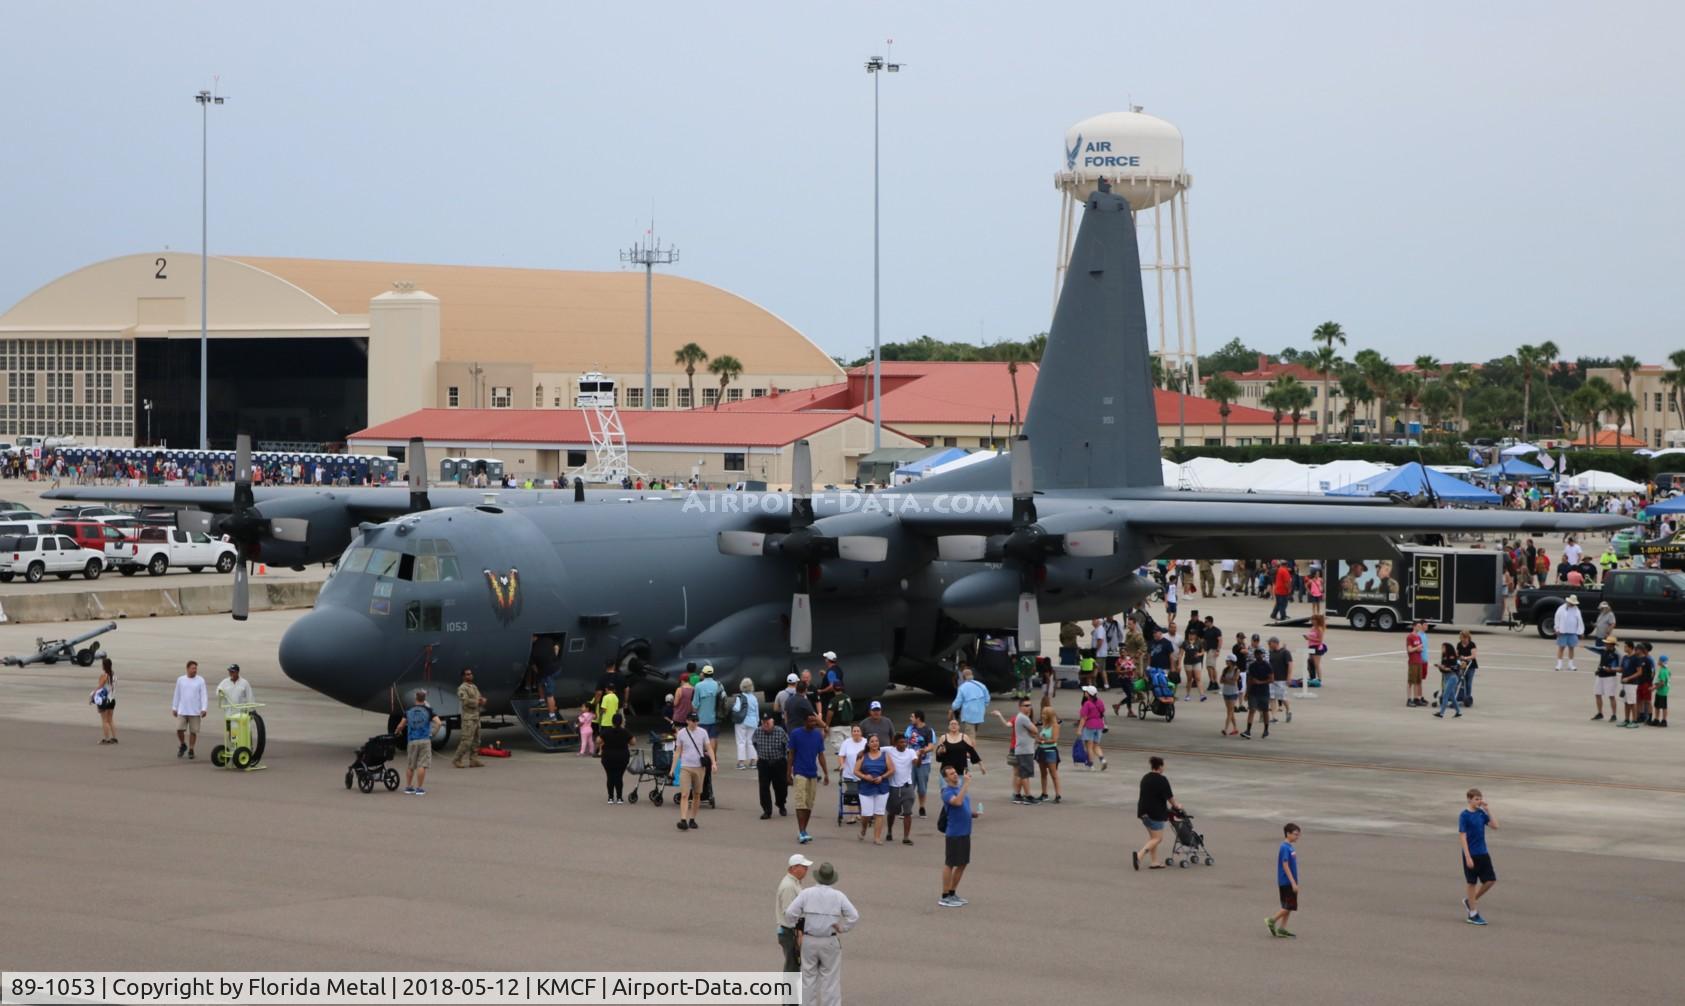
{"x": 1511, "y": 469}
{"x": 1414, "y": 480}
{"x": 1674, "y": 504}
{"x": 925, "y": 464}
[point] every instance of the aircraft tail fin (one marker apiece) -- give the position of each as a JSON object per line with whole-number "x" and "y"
{"x": 1092, "y": 418}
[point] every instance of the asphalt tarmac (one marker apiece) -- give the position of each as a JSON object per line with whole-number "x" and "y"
{"x": 124, "y": 857}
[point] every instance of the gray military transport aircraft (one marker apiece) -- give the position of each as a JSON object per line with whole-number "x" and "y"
{"x": 895, "y": 581}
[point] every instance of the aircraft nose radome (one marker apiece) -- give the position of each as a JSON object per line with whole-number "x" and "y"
{"x": 336, "y": 652}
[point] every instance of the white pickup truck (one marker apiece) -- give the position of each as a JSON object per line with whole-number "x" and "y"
{"x": 156, "y": 549}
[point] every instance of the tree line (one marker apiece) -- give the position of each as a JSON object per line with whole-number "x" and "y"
{"x": 1528, "y": 392}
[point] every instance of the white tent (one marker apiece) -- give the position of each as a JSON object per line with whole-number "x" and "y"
{"x": 1516, "y": 450}
{"x": 1171, "y": 472}
{"x": 1603, "y": 482}
{"x": 1273, "y": 475}
{"x": 1213, "y": 475}
{"x": 973, "y": 458}
{"x": 1318, "y": 479}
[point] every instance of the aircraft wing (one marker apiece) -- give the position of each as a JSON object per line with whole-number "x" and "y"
{"x": 363, "y": 502}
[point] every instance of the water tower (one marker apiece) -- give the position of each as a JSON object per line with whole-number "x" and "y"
{"x": 1141, "y": 156}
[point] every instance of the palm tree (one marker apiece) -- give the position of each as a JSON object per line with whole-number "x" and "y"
{"x": 1459, "y": 381}
{"x": 689, "y": 355}
{"x": 1160, "y": 376}
{"x": 1297, "y": 397}
{"x": 1223, "y": 390}
{"x": 1548, "y": 352}
{"x": 1587, "y": 401}
{"x": 1013, "y": 353}
{"x": 1527, "y": 358}
{"x": 1628, "y": 365}
{"x": 1623, "y": 405}
{"x": 1379, "y": 374}
{"x": 728, "y": 369}
{"x": 1408, "y": 389}
{"x": 1356, "y": 392}
{"x": 1279, "y": 399}
{"x": 1325, "y": 361}
{"x": 1329, "y": 334}
{"x": 1436, "y": 401}
{"x": 1674, "y": 379}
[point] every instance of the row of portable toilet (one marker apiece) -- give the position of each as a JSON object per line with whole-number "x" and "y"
{"x": 463, "y": 469}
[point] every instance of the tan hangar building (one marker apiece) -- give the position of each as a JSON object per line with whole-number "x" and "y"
{"x": 305, "y": 352}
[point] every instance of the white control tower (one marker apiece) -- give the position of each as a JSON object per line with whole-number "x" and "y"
{"x": 609, "y": 461}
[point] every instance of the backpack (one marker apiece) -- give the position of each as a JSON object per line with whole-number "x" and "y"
{"x": 844, "y": 709}
{"x": 739, "y": 708}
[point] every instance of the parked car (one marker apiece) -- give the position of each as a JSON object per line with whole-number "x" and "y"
{"x": 156, "y": 549}
{"x": 115, "y": 543}
{"x": 21, "y": 514}
{"x": 33, "y": 556}
{"x": 1640, "y": 599}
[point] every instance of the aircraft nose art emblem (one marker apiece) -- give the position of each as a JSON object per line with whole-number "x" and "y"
{"x": 505, "y": 592}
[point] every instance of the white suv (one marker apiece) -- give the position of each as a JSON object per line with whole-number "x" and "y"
{"x": 33, "y": 556}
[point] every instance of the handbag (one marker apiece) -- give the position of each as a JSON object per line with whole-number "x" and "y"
{"x": 1079, "y": 753}
{"x": 942, "y": 819}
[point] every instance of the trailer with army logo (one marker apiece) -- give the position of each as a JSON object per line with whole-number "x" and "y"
{"x": 1445, "y": 586}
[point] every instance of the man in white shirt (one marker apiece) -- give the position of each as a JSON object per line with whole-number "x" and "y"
{"x": 902, "y": 758}
{"x": 823, "y": 913}
{"x": 790, "y": 888}
{"x": 188, "y": 706}
{"x": 234, "y": 690}
{"x": 1570, "y": 626}
{"x": 1571, "y": 552}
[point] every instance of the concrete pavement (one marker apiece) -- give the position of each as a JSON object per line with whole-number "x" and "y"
{"x": 125, "y": 857}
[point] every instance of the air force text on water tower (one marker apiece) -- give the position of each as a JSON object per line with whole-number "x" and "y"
{"x": 1098, "y": 154}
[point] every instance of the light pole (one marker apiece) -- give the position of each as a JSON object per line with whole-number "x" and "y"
{"x": 649, "y": 256}
{"x": 146, "y": 404}
{"x": 205, "y": 99}
{"x": 875, "y": 66}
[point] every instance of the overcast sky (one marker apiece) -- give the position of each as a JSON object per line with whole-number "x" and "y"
{"x": 1450, "y": 178}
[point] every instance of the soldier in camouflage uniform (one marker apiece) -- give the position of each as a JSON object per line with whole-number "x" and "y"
{"x": 472, "y": 702}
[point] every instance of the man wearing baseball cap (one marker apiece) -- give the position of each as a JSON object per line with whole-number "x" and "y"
{"x": 1570, "y": 626}
{"x": 876, "y": 724}
{"x": 789, "y": 886}
{"x": 830, "y": 688}
{"x": 823, "y": 914}
{"x": 234, "y": 690}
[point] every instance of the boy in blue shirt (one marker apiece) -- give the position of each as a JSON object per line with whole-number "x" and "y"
{"x": 1286, "y": 880}
{"x": 1477, "y": 862}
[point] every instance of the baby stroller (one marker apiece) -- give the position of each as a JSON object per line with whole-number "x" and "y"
{"x": 1156, "y": 695}
{"x": 657, "y": 770}
{"x": 1189, "y": 844}
{"x": 370, "y": 766}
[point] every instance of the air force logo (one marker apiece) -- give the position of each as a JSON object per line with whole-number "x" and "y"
{"x": 1071, "y": 154}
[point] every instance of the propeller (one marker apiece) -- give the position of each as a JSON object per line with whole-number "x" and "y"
{"x": 806, "y": 544}
{"x": 1027, "y": 545}
{"x": 245, "y": 525}
{"x": 417, "y": 456}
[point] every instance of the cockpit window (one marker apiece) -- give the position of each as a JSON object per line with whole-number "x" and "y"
{"x": 433, "y": 568}
{"x": 383, "y": 562}
{"x": 434, "y": 546}
{"x": 356, "y": 560}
